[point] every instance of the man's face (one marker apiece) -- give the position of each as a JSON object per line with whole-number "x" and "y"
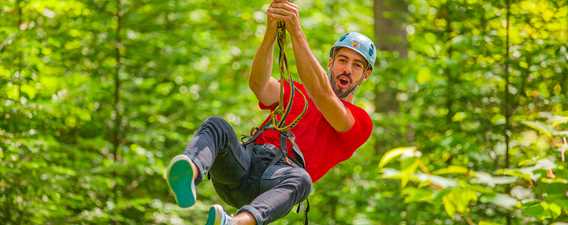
{"x": 348, "y": 69}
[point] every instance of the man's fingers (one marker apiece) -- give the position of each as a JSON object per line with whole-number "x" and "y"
{"x": 286, "y": 6}
{"x": 285, "y": 11}
{"x": 277, "y": 11}
{"x": 280, "y": 12}
{"x": 283, "y": 18}
{"x": 279, "y": 16}
{"x": 275, "y": 14}
{"x": 291, "y": 4}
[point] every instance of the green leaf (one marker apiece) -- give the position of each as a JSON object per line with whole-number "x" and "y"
{"x": 488, "y": 179}
{"x": 541, "y": 127}
{"x": 423, "y": 75}
{"x": 559, "y": 199}
{"x": 417, "y": 195}
{"x": 4, "y": 73}
{"x": 438, "y": 181}
{"x": 394, "y": 153}
{"x": 12, "y": 91}
{"x": 29, "y": 90}
{"x": 451, "y": 170}
{"x": 458, "y": 200}
{"x": 504, "y": 201}
{"x": 484, "y": 222}
{"x": 449, "y": 206}
{"x": 543, "y": 210}
{"x": 459, "y": 116}
{"x": 408, "y": 173}
{"x": 557, "y": 120}
{"x": 563, "y": 133}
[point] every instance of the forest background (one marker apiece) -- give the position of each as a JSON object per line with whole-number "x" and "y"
{"x": 468, "y": 98}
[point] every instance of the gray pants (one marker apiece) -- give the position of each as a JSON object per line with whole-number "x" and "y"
{"x": 247, "y": 177}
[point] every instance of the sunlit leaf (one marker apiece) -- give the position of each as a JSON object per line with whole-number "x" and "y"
{"x": 437, "y": 181}
{"x": 417, "y": 195}
{"x": 452, "y": 170}
{"x": 542, "y": 210}
{"x": 541, "y": 127}
{"x": 423, "y": 75}
{"x": 488, "y": 179}
{"x": 458, "y": 200}
{"x": 504, "y": 201}
{"x": 397, "y": 152}
{"x": 484, "y": 222}
{"x": 407, "y": 173}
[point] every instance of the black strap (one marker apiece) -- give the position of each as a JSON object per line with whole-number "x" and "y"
{"x": 296, "y": 149}
{"x": 254, "y": 134}
{"x": 306, "y": 211}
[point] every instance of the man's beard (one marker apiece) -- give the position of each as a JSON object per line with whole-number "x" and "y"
{"x": 338, "y": 91}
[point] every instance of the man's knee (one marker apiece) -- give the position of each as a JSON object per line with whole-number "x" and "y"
{"x": 216, "y": 120}
{"x": 302, "y": 181}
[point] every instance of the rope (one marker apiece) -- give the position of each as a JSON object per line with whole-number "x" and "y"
{"x": 280, "y": 110}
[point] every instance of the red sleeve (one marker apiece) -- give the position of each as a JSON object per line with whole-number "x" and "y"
{"x": 286, "y": 96}
{"x": 359, "y": 133}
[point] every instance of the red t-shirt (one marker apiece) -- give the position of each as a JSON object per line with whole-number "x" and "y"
{"x": 323, "y": 147}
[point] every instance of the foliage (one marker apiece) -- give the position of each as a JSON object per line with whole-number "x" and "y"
{"x": 96, "y": 97}
{"x": 534, "y": 189}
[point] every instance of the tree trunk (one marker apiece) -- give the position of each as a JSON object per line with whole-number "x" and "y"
{"x": 390, "y": 33}
{"x": 117, "y": 114}
{"x": 389, "y": 26}
{"x": 391, "y": 36}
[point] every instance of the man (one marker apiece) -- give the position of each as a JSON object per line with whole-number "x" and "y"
{"x": 258, "y": 177}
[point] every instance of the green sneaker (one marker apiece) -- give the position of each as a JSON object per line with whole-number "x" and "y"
{"x": 180, "y": 181}
{"x": 218, "y": 216}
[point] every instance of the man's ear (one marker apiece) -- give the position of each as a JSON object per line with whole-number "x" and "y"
{"x": 329, "y": 62}
{"x": 368, "y": 73}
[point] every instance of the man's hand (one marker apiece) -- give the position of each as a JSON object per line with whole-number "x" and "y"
{"x": 288, "y": 12}
{"x": 264, "y": 86}
{"x": 271, "y": 21}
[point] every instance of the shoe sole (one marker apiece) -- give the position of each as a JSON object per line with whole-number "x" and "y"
{"x": 214, "y": 215}
{"x": 180, "y": 181}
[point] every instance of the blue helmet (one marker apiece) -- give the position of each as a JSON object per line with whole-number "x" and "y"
{"x": 359, "y": 43}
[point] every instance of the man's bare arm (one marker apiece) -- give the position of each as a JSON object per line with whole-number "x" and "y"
{"x": 311, "y": 72}
{"x": 264, "y": 86}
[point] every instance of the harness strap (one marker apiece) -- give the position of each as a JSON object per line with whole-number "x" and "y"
{"x": 254, "y": 135}
{"x": 295, "y": 148}
{"x": 306, "y": 211}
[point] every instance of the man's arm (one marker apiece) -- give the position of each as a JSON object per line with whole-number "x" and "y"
{"x": 264, "y": 86}
{"x": 310, "y": 71}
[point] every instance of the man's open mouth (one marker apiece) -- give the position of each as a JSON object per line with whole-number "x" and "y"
{"x": 343, "y": 81}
